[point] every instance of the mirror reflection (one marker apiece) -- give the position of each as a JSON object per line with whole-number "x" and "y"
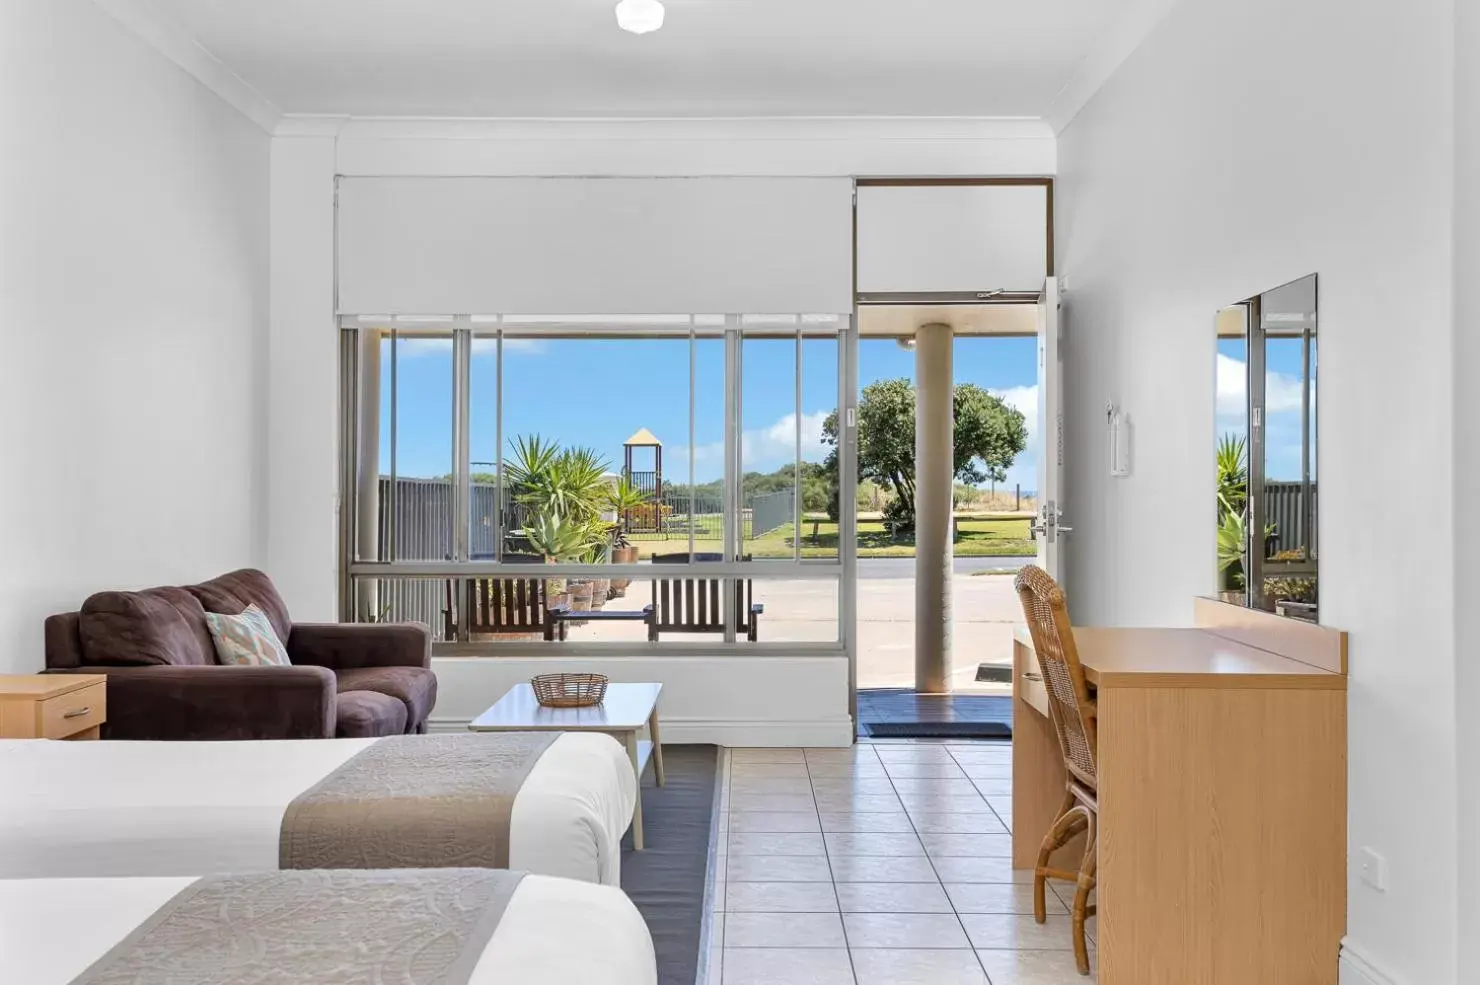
{"x": 1266, "y": 451}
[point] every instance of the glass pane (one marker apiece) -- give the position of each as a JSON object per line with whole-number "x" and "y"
{"x": 417, "y": 412}
{"x": 768, "y": 446}
{"x": 1231, "y": 427}
{"x": 692, "y": 505}
{"x": 483, "y": 444}
{"x": 819, "y": 476}
{"x": 590, "y": 428}
{"x": 423, "y": 600}
{"x": 796, "y": 610}
{"x": 1289, "y": 469}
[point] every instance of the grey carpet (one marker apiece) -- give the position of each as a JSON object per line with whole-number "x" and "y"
{"x": 666, "y": 879}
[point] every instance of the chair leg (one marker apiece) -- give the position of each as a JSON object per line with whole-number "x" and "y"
{"x": 1071, "y": 819}
{"x": 1086, "y": 882}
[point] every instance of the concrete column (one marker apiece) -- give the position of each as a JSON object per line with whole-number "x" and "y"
{"x": 367, "y": 481}
{"x": 934, "y": 476}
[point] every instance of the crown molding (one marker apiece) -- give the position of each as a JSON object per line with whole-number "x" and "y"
{"x": 680, "y": 128}
{"x": 172, "y": 41}
{"x": 310, "y": 125}
{"x": 1101, "y": 62}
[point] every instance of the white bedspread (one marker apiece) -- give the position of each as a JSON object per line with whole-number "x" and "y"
{"x": 51, "y": 930}
{"x": 193, "y": 808}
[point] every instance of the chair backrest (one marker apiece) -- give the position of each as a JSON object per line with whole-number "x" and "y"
{"x": 693, "y": 605}
{"x": 502, "y": 606}
{"x": 1069, "y": 705}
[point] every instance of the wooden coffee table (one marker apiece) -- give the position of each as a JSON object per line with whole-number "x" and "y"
{"x": 627, "y": 710}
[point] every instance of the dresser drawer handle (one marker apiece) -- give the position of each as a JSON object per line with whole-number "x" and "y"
{"x": 1028, "y": 675}
{"x": 78, "y": 712}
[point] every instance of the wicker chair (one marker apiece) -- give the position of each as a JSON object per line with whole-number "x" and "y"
{"x": 1073, "y": 714}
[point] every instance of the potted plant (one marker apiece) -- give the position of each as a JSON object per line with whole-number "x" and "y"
{"x": 624, "y": 499}
{"x": 558, "y": 538}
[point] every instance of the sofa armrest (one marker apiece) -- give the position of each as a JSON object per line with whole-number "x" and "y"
{"x": 350, "y": 646}
{"x": 209, "y": 702}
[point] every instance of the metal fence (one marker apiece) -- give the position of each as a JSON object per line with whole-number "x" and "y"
{"x": 1284, "y": 506}
{"x": 772, "y": 510}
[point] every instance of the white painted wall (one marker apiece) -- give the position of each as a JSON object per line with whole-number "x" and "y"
{"x": 1467, "y": 462}
{"x": 133, "y": 217}
{"x": 1220, "y": 160}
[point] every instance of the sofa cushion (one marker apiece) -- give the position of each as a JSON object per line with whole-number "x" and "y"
{"x": 368, "y": 714}
{"x": 246, "y": 639}
{"x": 415, "y": 687}
{"x": 232, "y": 593}
{"x": 156, "y": 626}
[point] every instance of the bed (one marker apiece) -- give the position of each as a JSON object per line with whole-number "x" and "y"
{"x": 534, "y": 930}
{"x": 117, "y": 808}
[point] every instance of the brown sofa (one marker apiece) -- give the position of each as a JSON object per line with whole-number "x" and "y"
{"x": 164, "y": 682}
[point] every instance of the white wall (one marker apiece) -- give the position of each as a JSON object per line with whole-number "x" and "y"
{"x": 133, "y": 211}
{"x": 1223, "y": 159}
{"x": 1467, "y": 455}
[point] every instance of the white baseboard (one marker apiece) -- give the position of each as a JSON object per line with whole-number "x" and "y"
{"x": 736, "y": 734}
{"x": 1358, "y": 970}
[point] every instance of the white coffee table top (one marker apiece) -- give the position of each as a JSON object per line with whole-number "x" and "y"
{"x": 627, "y": 707}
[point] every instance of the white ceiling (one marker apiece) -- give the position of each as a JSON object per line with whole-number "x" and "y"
{"x": 545, "y": 58}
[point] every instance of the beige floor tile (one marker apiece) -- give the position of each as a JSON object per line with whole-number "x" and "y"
{"x": 791, "y": 930}
{"x": 985, "y": 897}
{"x": 781, "y": 966}
{"x": 768, "y": 771}
{"x": 914, "y": 754}
{"x": 795, "y": 786}
{"x": 904, "y": 930}
{"x": 994, "y": 789}
{"x": 775, "y": 821}
{"x": 858, "y": 753}
{"x": 984, "y": 753}
{"x": 840, "y": 801}
{"x": 979, "y": 823}
{"x": 745, "y": 802}
{"x": 777, "y": 868}
{"x": 934, "y": 786}
{"x": 879, "y": 868}
{"x": 776, "y": 843}
{"x": 781, "y": 897}
{"x": 1010, "y": 931}
{"x": 942, "y": 843}
{"x": 946, "y": 770}
{"x": 936, "y": 803}
{"x": 988, "y": 771}
{"x": 959, "y": 869}
{"x": 1035, "y": 967}
{"x": 892, "y": 897}
{"x": 859, "y": 769}
{"x": 847, "y": 821}
{"x": 917, "y": 966}
{"x": 873, "y": 843}
{"x": 738, "y": 756}
{"x": 862, "y": 785}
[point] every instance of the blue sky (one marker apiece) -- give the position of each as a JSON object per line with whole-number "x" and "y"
{"x": 1282, "y": 394}
{"x": 597, "y": 392}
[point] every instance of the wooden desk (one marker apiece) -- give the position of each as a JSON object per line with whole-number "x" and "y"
{"x": 1222, "y": 805}
{"x": 52, "y": 706}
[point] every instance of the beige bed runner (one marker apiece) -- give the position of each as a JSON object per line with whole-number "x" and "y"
{"x": 414, "y": 802}
{"x": 329, "y": 928}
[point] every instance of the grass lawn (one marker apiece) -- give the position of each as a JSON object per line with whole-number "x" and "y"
{"x": 980, "y": 535}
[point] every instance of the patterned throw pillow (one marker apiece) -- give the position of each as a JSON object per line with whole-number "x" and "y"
{"x": 246, "y": 640}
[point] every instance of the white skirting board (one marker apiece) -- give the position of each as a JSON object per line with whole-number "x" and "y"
{"x": 727, "y": 701}
{"x": 1357, "y": 970}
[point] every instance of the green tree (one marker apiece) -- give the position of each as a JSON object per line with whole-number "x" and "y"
{"x": 989, "y": 435}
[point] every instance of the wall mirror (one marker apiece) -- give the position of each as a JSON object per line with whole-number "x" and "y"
{"x": 1267, "y": 510}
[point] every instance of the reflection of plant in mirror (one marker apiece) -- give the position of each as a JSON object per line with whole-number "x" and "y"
{"x": 1233, "y": 473}
{"x": 1301, "y": 589}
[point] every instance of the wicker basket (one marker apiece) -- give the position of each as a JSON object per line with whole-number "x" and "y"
{"x": 569, "y": 690}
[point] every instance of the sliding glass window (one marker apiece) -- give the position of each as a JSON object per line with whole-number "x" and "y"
{"x": 674, "y": 478}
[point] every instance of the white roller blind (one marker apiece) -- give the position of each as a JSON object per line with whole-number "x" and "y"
{"x": 595, "y": 245}
{"x": 952, "y": 238}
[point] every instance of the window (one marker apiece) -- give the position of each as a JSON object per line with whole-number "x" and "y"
{"x": 670, "y": 476}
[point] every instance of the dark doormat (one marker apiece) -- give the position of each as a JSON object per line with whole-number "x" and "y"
{"x": 897, "y": 713}
{"x": 666, "y": 880}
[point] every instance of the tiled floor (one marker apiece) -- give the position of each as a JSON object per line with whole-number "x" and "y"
{"x": 884, "y": 864}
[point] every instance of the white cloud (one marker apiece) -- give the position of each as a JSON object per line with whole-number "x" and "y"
{"x": 1281, "y": 390}
{"x": 766, "y": 449}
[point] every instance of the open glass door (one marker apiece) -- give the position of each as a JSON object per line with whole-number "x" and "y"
{"x": 1048, "y": 526}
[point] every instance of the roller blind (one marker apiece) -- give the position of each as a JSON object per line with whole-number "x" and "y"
{"x": 594, "y": 245}
{"x": 952, "y": 238}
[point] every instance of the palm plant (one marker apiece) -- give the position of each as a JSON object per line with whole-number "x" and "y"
{"x": 558, "y": 537}
{"x": 1233, "y": 472}
{"x": 547, "y": 480}
{"x": 623, "y": 498}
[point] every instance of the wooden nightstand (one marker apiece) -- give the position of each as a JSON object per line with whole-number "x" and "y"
{"x": 52, "y": 706}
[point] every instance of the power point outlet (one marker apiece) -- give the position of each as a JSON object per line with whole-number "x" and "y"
{"x": 1373, "y": 869}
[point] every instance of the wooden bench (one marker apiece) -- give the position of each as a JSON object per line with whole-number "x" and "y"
{"x": 507, "y": 607}
{"x": 693, "y": 605}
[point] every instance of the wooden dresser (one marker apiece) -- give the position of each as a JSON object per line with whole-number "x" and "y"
{"x": 52, "y": 706}
{"x": 1222, "y": 796}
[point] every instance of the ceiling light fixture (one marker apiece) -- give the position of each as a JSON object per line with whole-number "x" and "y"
{"x": 640, "y": 16}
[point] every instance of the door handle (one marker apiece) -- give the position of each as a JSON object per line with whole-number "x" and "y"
{"x": 78, "y": 712}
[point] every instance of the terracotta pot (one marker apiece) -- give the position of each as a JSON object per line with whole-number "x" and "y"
{"x": 600, "y": 587}
{"x": 622, "y": 555}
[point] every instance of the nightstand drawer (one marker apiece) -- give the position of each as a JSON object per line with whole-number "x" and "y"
{"x": 76, "y": 711}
